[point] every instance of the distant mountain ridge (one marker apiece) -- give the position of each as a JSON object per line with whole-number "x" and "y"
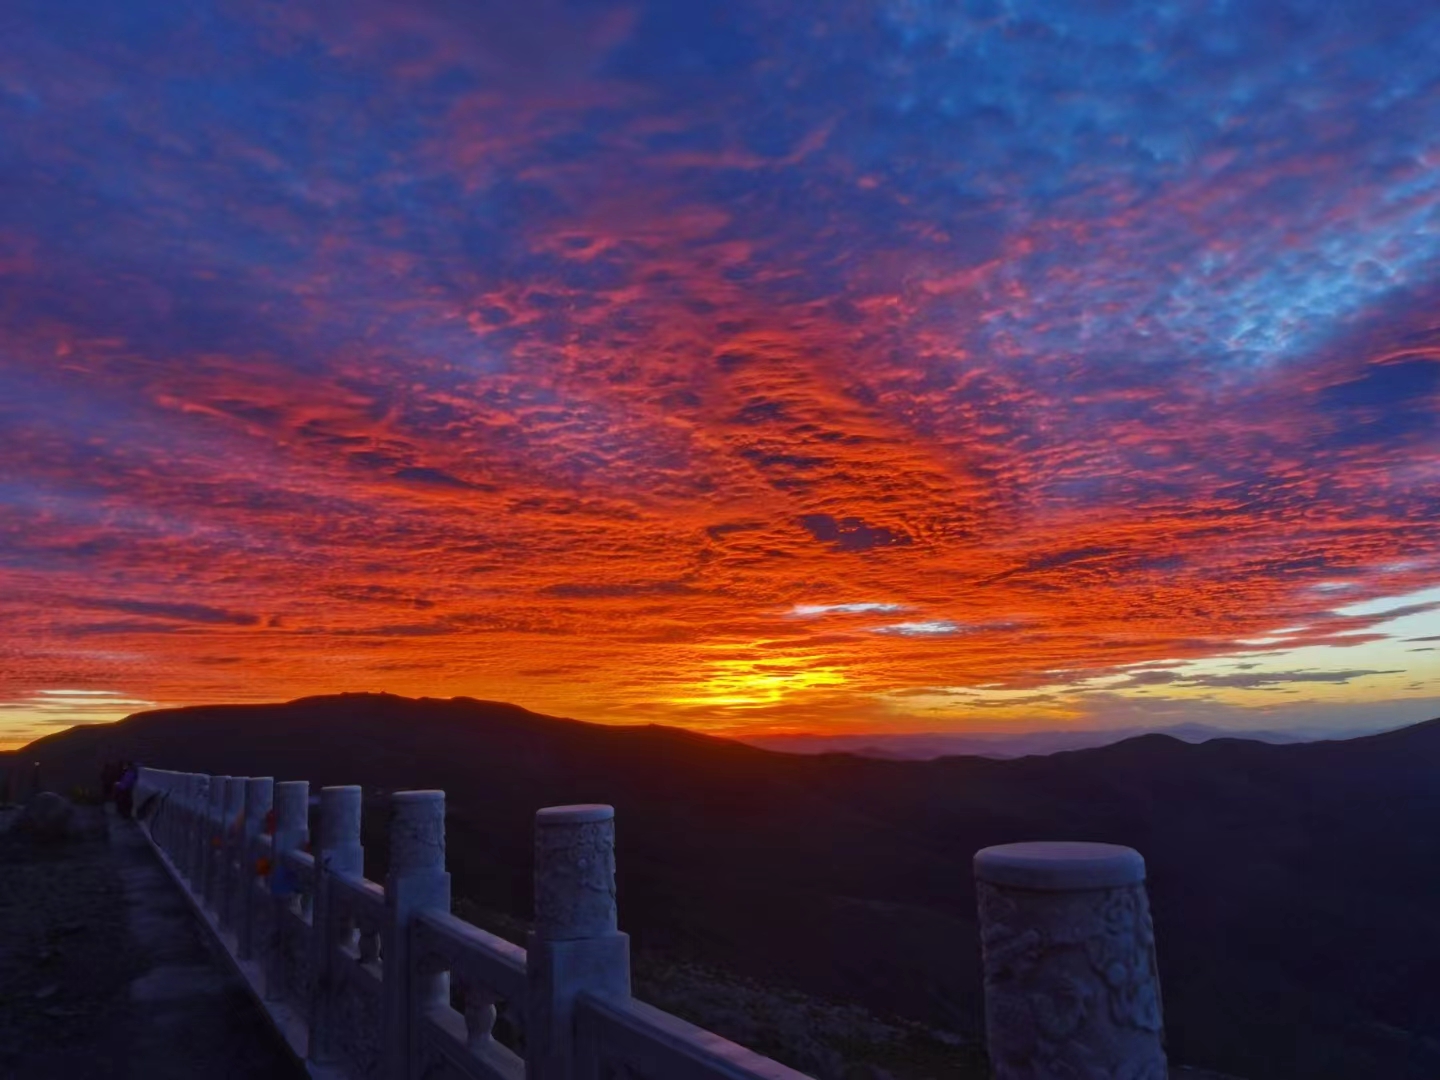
{"x": 1294, "y": 886}
{"x": 926, "y": 746}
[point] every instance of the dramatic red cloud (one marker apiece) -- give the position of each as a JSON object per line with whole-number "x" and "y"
{"x": 756, "y": 373}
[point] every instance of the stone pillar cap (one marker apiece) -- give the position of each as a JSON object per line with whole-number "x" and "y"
{"x": 580, "y": 814}
{"x": 423, "y": 795}
{"x": 1060, "y": 865}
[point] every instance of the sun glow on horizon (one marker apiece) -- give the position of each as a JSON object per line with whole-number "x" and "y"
{"x": 750, "y": 684}
{"x": 48, "y": 710}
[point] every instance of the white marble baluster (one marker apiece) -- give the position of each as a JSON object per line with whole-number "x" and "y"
{"x": 259, "y": 798}
{"x": 1071, "y": 988}
{"x": 214, "y": 841}
{"x": 292, "y": 829}
{"x": 575, "y": 945}
{"x": 195, "y": 832}
{"x": 339, "y": 852}
{"x": 231, "y": 831}
{"x": 417, "y": 881}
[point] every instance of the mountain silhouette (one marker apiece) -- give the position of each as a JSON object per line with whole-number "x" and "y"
{"x": 1294, "y": 886}
{"x": 925, "y": 746}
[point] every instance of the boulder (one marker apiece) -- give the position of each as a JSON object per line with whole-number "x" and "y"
{"x": 48, "y": 816}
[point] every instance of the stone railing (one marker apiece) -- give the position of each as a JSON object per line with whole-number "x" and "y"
{"x": 372, "y": 981}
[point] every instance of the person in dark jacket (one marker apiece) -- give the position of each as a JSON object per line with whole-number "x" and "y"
{"x": 125, "y": 790}
{"x": 109, "y": 777}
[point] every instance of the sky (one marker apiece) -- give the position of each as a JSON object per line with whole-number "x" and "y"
{"x": 750, "y": 366}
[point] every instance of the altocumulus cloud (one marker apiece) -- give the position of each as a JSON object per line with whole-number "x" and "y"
{"x": 920, "y": 628}
{"x": 1248, "y": 679}
{"x": 1114, "y": 319}
{"x": 861, "y": 608}
{"x": 176, "y": 612}
{"x": 1244, "y": 680}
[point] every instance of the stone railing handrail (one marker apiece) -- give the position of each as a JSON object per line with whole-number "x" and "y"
{"x": 491, "y": 970}
{"x": 626, "y": 1037}
{"x": 372, "y": 980}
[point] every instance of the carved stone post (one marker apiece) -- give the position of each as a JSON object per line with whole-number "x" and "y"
{"x": 148, "y": 784}
{"x": 575, "y": 945}
{"x": 292, "y": 829}
{"x": 175, "y": 815}
{"x": 416, "y": 881}
{"x": 259, "y": 797}
{"x": 1071, "y": 988}
{"x": 175, "y": 807}
{"x": 154, "y": 789}
{"x": 165, "y": 812}
{"x": 180, "y": 849}
{"x": 214, "y": 841}
{"x": 160, "y": 817}
{"x": 180, "y": 829}
{"x": 232, "y": 829}
{"x": 199, "y": 836}
{"x": 179, "y": 814}
{"x": 339, "y": 853}
{"x": 193, "y": 834}
{"x": 142, "y": 786}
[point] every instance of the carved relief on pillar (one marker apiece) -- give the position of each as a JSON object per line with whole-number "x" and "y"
{"x": 417, "y": 831}
{"x": 575, "y": 872}
{"x": 1071, "y": 985}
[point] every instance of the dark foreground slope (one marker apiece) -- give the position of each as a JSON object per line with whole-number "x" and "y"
{"x": 106, "y": 973}
{"x": 1295, "y": 887}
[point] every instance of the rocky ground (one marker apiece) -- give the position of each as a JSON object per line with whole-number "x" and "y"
{"x": 106, "y": 975}
{"x": 824, "y": 1039}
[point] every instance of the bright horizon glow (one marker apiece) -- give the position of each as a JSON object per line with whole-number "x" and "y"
{"x": 904, "y": 369}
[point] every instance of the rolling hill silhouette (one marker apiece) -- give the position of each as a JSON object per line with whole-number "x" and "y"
{"x": 925, "y": 746}
{"x": 1294, "y": 886}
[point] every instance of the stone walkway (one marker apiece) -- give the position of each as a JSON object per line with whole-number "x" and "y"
{"x": 106, "y": 973}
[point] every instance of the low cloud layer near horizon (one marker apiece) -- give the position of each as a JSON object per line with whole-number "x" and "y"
{"x": 748, "y": 366}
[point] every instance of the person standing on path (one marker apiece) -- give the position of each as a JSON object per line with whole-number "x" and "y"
{"x": 109, "y": 777}
{"x": 125, "y": 790}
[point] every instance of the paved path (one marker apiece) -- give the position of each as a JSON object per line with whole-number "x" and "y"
{"x": 106, "y": 974}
